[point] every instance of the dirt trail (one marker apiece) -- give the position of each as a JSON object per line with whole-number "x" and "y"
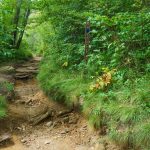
{"x": 63, "y": 129}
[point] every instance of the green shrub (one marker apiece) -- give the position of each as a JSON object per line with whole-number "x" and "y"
{"x": 24, "y": 52}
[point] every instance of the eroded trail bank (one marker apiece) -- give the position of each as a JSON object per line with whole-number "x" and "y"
{"x": 35, "y": 122}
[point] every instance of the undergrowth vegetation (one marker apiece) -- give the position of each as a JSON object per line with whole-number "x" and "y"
{"x": 6, "y": 89}
{"x": 2, "y": 107}
{"x": 112, "y": 89}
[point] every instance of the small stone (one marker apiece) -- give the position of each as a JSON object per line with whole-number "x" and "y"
{"x": 28, "y": 144}
{"x": 92, "y": 148}
{"x": 55, "y": 123}
{"x": 51, "y": 128}
{"x": 66, "y": 119}
{"x": 35, "y": 136}
{"x": 85, "y": 126}
{"x": 5, "y": 137}
{"x": 47, "y": 142}
{"x": 38, "y": 147}
{"x": 49, "y": 124}
{"x": 23, "y": 140}
{"x": 23, "y": 128}
{"x": 19, "y": 128}
{"x": 28, "y": 101}
{"x": 73, "y": 121}
{"x": 7, "y": 69}
{"x": 64, "y": 131}
{"x": 83, "y": 129}
{"x": 64, "y": 112}
{"x": 99, "y": 146}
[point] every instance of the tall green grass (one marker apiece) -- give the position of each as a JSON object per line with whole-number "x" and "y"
{"x": 125, "y": 112}
{"x": 61, "y": 85}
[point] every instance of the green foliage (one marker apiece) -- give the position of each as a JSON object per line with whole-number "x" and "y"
{"x": 119, "y": 39}
{"x": 12, "y": 28}
{"x": 6, "y": 86}
{"x": 23, "y": 52}
{"x": 37, "y": 38}
{"x": 2, "y": 107}
{"x": 122, "y": 35}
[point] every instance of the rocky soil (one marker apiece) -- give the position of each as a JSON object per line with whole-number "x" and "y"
{"x": 34, "y": 122}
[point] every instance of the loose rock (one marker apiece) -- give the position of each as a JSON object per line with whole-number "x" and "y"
{"x": 47, "y": 142}
{"x": 7, "y": 69}
{"x": 5, "y": 137}
{"x": 66, "y": 119}
{"x": 49, "y": 124}
{"x": 23, "y": 140}
{"x": 99, "y": 146}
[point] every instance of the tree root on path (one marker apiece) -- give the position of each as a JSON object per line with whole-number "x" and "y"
{"x": 39, "y": 118}
{"x": 5, "y": 137}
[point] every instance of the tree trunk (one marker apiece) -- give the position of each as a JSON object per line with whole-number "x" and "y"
{"x": 27, "y": 13}
{"x": 16, "y": 21}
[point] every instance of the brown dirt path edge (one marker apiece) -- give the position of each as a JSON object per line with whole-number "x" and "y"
{"x": 69, "y": 131}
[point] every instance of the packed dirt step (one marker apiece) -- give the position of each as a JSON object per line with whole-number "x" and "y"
{"x": 27, "y": 69}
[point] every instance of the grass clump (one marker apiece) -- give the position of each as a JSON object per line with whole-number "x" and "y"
{"x": 6, "y": 86}
{"x": 2, "y": 107}
{"x": 61, "y": 85}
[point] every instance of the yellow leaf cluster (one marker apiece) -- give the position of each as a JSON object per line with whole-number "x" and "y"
{"x": 102, "y": 81}
{"x": 65, "y": 64}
